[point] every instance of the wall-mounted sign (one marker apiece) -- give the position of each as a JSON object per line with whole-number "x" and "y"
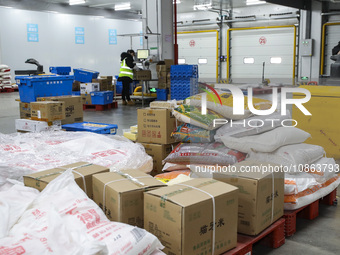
{"x": 32, "y": 33}
{"x": 79, "y": 31}
{"x": 112, "y": 36}
{"x": 80, "y": 39}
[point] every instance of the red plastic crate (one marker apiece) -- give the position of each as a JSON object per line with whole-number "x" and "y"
{"x": 273, "y": 236}
{"x": 98, "y": 107}
{"x": 309, "y": 212}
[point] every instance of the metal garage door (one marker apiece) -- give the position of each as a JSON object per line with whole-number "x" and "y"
{"x": 250, "y": 47}
{"x": 200, "y": 48}
{"x": 330, "y": 38}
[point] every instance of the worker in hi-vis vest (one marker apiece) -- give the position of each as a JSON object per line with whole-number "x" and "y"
{"x": 126, "y": 75}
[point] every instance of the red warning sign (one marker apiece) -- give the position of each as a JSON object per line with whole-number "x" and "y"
{"x": 263, "y": 40}
{"x": 192, "y": 43}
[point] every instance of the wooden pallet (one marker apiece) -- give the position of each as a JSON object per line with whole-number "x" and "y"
{"x": 7, "y": 90}
{"x": 309, "y": 212}
{"x": 98, "y": 107}
{"x": 273, "y": 236}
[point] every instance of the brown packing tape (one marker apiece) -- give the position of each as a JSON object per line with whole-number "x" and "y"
{"x": 127, "y": 178}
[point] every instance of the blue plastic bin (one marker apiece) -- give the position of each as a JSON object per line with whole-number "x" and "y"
{"x": 84, "y": 75}
{"x": 31, "y": 87}
{"x": 162, "y": 94}
{"x": 119, "y": 88}
{"x": 99, "y": 128}
{"x": 102, "y": 97}
{"x": 76, "y": 93}
{"x": 61, "y": 70}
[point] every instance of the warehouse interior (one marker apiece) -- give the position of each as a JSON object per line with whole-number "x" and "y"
{"x": 116, "y": 176}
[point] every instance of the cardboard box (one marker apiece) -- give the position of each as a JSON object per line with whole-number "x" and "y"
{"x": 182, "y": 217}
{"x": 25, "y": 110}
{"x": 25, "y": 125}
{"x": 108, "y": 78}
{"x": 158, "y": 152}
{"x": 168, "y": 80}
{"x": 103, "y": 84}
{"x": 258, "y": 202}
{"x": 48, "y": 110}
{"x": 86, "y": 99}
{"x": 76, "y": 86}
{"x": 40, "y": 180}
{"x": 87, "y": 88}
{"x": 164, "y": 66}
{"x": 142, "y": 75}
{"x": 155, "y": 126}
{"x": 124, "y": 195}
{"x": 73, "y": 107}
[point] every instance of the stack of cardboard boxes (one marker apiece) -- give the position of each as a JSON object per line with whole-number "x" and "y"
{"x": 163, "y": 73}
{"x": 42, "y": 116}
{"x": 154, "y": 133}
{"x": 102, "y": 83}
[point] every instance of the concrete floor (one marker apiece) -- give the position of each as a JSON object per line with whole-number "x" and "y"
{"x": 318, "y": 237}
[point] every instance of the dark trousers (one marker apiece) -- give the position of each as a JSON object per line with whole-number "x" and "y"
{"x": 126, "y": 88}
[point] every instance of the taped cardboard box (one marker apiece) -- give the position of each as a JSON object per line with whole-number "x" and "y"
{"x": 103, "y": 83}
{"x": 48, "y": 111}
{"x": 158, "y": 152}
{"x": 261, "y": 196}
{"x": 123, "y": 193}
{"x": 76, "y": 86}
{"x": 108, "y": 78}
{"x": 155, "y": 126}
{"x": 82, "y": 172}
{"x": 73, "y": 107}
{"x": 86, "y": 99}
{"x": 182, "y": 216}
{"x": 87, "y": 88}
{"x": 142, "y": 75}
{"x": 25, "y": 110}
{"x": 164, "y": 66}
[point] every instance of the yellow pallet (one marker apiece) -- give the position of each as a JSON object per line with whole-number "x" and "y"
{"x": 324, "y": 123}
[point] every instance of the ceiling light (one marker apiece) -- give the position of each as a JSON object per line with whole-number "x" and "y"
{"x": 52, "y": 12}
{"x": 254, "y": 2}
{"x": 177, "y": 1}
{"x": 202, "y": 7}
{"x": 124, "y": 6}
{"x": 74, "y": 2}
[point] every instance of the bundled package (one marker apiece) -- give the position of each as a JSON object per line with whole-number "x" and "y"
{"x": 225, "y": 106}
{"x": 251, "y": 126}
{"x": 268, "y": 141}
{"x": 193, "y": 115}
{"x": 168, "y": 176}
{"x": 188, "y": 133}
{"x": 5, "y": 76}
{"x": 292, "y": 157}
{"x": 204, "y": 153}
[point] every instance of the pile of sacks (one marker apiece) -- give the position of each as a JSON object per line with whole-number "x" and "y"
{"x": 25, "y": 153}
{"x": 63, "y": 220}
{"x": 5, "y": 77}
{"x": 309, "y": 175}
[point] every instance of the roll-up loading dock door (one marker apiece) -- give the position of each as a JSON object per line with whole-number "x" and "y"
{"x": 250, "y": 47}
{"x": 200, "y": 48}
{"x": 330, "y": 38}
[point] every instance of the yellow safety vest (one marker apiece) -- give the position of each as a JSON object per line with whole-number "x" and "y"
{"x": 125, "y": 71}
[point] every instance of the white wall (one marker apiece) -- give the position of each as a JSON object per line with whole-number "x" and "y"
{"x": 56, "y": 46}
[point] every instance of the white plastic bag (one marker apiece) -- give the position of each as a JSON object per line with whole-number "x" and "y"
{"x": 292, "y": 157}
{"x": 323, "y": 169}
{"x": 83, "y": 215}
{"x": 13, "y": 202}
{"x": 251, "y": 126}
{"x": 268, "y": 141}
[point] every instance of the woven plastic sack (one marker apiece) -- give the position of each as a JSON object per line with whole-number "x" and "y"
{"x": 292, "y": 157}
{"x": 168, "y": 176}
{"x": 204, "y": 153}
{"x": 82, "y": 215}
{"x": 226, "y": 109}
{"x": 13, "y": 202}
{"x": 188, "y": 133}
{"x": 192, "y": 114}
{"x": 310, "y": 195}
{"x": 268, "y": 141}
{"x": 323, "y": 169}
{"x": 251, "y": 126}
{"x": 4, "y": 66}
{"x": 296, "y": 183}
